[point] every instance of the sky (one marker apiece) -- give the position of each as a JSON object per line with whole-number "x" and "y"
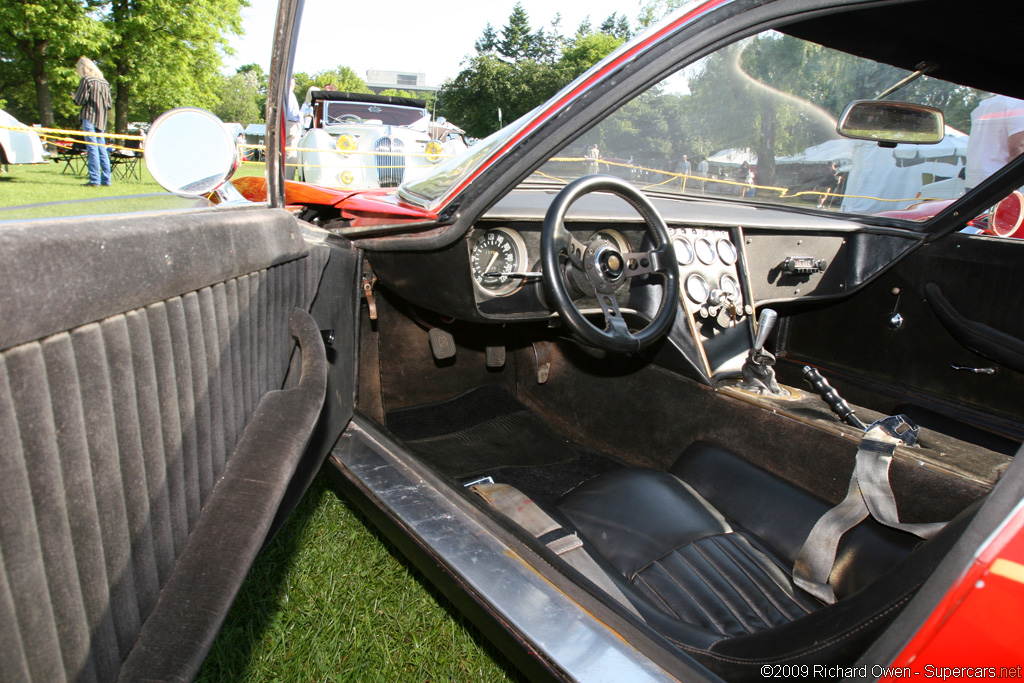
{"x": 400, "y": 35}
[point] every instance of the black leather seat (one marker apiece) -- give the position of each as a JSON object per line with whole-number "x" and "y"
{"x": 705, "y": 553}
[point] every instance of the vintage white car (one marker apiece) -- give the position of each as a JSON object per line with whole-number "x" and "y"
{"x": 18, "y": 144}
{"x": 362, "y": 141}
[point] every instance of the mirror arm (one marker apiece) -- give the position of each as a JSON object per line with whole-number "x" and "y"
{"x": 922, "y": 69}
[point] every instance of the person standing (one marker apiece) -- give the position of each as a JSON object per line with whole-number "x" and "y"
{"x": 93, "y": 96}
{"x": 702, "y": 172}
{"x": 996, "y": 139}
{"x": 293, "y": 132}
{"x": 593, "y": 156}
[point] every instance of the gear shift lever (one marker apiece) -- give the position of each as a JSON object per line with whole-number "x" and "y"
{"x": 758, "y": 373}
{"x": 764, "y": 327}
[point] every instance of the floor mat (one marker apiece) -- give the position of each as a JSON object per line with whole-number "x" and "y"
{"x": 488, "y": 432}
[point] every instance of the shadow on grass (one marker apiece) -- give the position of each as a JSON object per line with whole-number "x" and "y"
{"x": 240, "y": 651}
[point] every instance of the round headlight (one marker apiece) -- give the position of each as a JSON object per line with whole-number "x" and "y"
{"x": 434, "y": 151}
{"x": 346, "y": 177}
{"x": 346, "y": 143}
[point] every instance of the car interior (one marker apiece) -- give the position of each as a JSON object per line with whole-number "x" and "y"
{"x": 693, "y": 483}
{"x": 675, "y": 390}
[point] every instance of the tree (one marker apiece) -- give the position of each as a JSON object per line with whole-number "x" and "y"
{"x": 167, "y": 54}
{"x": 616, "y": 26}
{"x": 238, "y": 100}
{"x": 516, "y": 42}
{"x": 493, "y": 81}
{"x": 343, "y": 78}
{"x": 39, "y": 43}
{"x": 488, "y": 42}
{"x": 586, "y": 51}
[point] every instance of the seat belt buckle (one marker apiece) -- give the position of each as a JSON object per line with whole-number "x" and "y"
{"x": 898, "y": 427}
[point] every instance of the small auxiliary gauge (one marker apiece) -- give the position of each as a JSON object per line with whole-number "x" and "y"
{"x": 684, "y": 252}
{"x": 705, "y": 251}
{"x": 697, "y": 289}
{"x": 726, "y": 252}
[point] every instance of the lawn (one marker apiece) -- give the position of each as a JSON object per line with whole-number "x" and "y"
{"x": 32, "y": 184}
{"x": 330, "y": 600}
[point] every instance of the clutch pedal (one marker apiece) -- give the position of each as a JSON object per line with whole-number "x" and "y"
{"x": 442, "y": 344}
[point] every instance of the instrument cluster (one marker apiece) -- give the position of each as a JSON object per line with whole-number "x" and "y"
{"x": 708, "y": 274}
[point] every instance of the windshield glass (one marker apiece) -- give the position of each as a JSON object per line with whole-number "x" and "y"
{"x": 343, "y": 112}
{"x": 757, "y": 120}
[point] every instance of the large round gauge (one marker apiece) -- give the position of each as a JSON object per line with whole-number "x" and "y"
{"x": 697, "y": 289}
{"x": 704, "y": 250}
{"x": 498, "y": 259}
{"x": 613, "y": 236}
{"x": 726, "y": 252}
{"x": 684, "y": 252}
{"x": 731, "y": 287}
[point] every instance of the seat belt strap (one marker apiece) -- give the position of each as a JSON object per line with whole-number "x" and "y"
{"x": 870, "y": 493}
{"x": 512, "y": 503}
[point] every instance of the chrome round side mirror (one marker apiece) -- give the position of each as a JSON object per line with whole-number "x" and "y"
{"x": 190, "y": 152}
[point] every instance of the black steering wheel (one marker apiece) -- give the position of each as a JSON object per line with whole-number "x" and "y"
{"x": 604, "y": 269}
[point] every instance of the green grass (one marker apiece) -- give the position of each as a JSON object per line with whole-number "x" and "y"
{"x": 31, "y": 184}
{"x": 330, "y": 600}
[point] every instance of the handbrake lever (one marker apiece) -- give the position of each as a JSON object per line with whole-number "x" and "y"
{"x": 836, "y": 402}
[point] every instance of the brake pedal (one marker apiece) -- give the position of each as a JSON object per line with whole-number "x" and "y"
{"x": 495, "y": 356}
{"x": 442, "y": 343}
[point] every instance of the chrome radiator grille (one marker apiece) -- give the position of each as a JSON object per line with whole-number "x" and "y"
{"x": 390, "y": 161}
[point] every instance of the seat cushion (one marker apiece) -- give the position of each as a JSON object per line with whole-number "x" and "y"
{"x": 683, "y": 556}
{"x": 722, "y": 592}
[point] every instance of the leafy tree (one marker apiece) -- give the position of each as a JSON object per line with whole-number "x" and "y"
{"x": 39, "y": 44}
{"x": 151, "y": 70}
{"x": 525, "y": 70}
{"x": 257, "y": 81}
{"x": 238, "y": 100}
{"x": 343, "y": 77}
{"x": 586, "y": 51}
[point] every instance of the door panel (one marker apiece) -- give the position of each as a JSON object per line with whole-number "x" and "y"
{"x": 139, "y": 364}
{"x": 980, "y": 277}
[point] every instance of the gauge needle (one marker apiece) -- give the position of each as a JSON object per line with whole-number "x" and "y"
{"x": 490, "y": 263}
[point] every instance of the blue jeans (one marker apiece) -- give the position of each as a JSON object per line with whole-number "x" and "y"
{"x": 96, "y": 157}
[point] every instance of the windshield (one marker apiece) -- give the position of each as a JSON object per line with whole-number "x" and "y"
{"x": 388, "y": 115}
{"x": 756, "y": 120}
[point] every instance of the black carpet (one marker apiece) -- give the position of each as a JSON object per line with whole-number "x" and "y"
{"x": 488, "y": 432}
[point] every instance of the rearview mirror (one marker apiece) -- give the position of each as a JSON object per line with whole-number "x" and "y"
{"x": 892, "y": 122}
{"x": 190, "y": 152}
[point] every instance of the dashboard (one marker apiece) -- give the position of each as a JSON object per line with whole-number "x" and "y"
{"x": 732, "y": 259}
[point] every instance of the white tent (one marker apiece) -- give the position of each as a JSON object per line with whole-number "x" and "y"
{"x": 733, "y": 157}
{"x": 887, "y": 178}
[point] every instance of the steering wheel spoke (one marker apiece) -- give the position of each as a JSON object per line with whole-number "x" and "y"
{"x": 606, "y": 269}
{"x": 646, "y": 262}
{"x": 576, "y": 250}
{"x": 615, "y": 325}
